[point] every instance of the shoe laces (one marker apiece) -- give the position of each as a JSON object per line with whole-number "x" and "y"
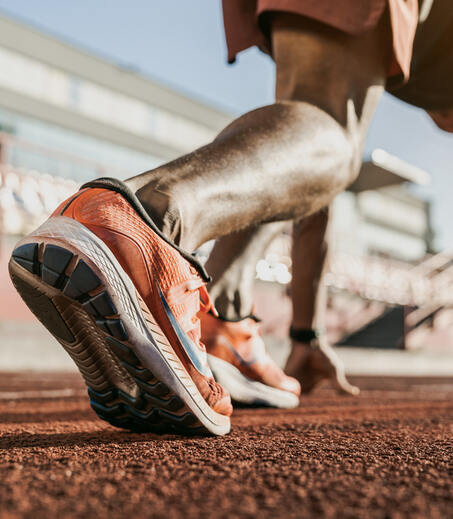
{"x": 178, "y": 295}
{"x": 255, "y": 342}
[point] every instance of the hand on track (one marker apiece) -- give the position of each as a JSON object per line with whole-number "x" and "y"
{"x": 312, "y": 363}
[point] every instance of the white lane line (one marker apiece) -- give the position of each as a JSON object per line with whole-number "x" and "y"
{"x": 45, "y": 393}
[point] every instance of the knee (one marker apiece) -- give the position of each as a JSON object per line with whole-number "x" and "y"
{"x": 323, "y": 145}
{"x": 348, "y": 150}
{"x": 342, "y": 154}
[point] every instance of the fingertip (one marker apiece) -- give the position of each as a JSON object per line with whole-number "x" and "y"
{"x": 355, "y": 391}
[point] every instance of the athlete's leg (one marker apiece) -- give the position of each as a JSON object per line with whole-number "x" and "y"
{"x": 309, "y": 253}
{"x": 312, "y": 359}
{"x": 283, "y": 161}
{"x": 233, "y": 260}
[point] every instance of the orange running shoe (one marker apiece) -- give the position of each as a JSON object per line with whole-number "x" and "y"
{"x": 123, "y": 302}
{"x": 240, "y": 363}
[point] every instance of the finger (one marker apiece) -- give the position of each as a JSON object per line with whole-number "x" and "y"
{"x": 344, "y": 387}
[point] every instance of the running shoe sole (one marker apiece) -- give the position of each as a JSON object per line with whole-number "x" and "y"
{"x": 75, "y": 286}
{"x": 247, "y": 391}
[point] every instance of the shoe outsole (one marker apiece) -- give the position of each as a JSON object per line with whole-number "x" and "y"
{"x": 73, "y": 300}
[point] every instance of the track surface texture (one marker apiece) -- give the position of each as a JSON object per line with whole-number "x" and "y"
{"x": 386, "y": 454}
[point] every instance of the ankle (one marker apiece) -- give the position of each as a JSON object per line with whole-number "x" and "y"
{"x": 230, "y": 307}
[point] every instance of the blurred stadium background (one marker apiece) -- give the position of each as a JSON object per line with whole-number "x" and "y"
{"x": 73, "y": 116}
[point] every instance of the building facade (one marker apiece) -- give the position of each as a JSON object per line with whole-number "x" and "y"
{"x": 66, "y": 112}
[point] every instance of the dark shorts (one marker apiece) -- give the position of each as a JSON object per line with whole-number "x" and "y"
{"x": 421, "y": 71}
{"x": 430, "y": 84}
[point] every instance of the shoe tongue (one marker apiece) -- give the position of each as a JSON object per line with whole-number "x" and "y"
{"x": 126, "y": 192}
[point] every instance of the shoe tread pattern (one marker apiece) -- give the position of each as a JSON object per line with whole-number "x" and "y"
{"x": 90, "y": 317}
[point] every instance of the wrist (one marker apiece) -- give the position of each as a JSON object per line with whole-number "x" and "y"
{"x": 308, "y": 336}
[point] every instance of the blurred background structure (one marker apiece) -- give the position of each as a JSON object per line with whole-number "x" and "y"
{"x": 67, "y": 115}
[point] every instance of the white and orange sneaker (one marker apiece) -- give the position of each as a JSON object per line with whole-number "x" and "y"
{"x": 123, "y": 302}
{"x": 240, "y": 363}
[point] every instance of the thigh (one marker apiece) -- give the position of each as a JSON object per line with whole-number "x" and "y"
{"x": 332, "y": 69}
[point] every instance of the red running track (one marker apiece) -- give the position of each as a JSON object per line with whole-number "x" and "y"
{"x": 386, "y": 454}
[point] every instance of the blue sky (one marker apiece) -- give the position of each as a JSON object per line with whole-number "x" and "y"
{"x": 182, "y": 45}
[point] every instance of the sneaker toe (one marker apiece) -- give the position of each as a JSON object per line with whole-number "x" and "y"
{"x": 224, "y": 406}
{"x": 291, "y": 385}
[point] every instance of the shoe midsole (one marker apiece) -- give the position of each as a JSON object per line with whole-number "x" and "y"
{"x": 247, "y": 391}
